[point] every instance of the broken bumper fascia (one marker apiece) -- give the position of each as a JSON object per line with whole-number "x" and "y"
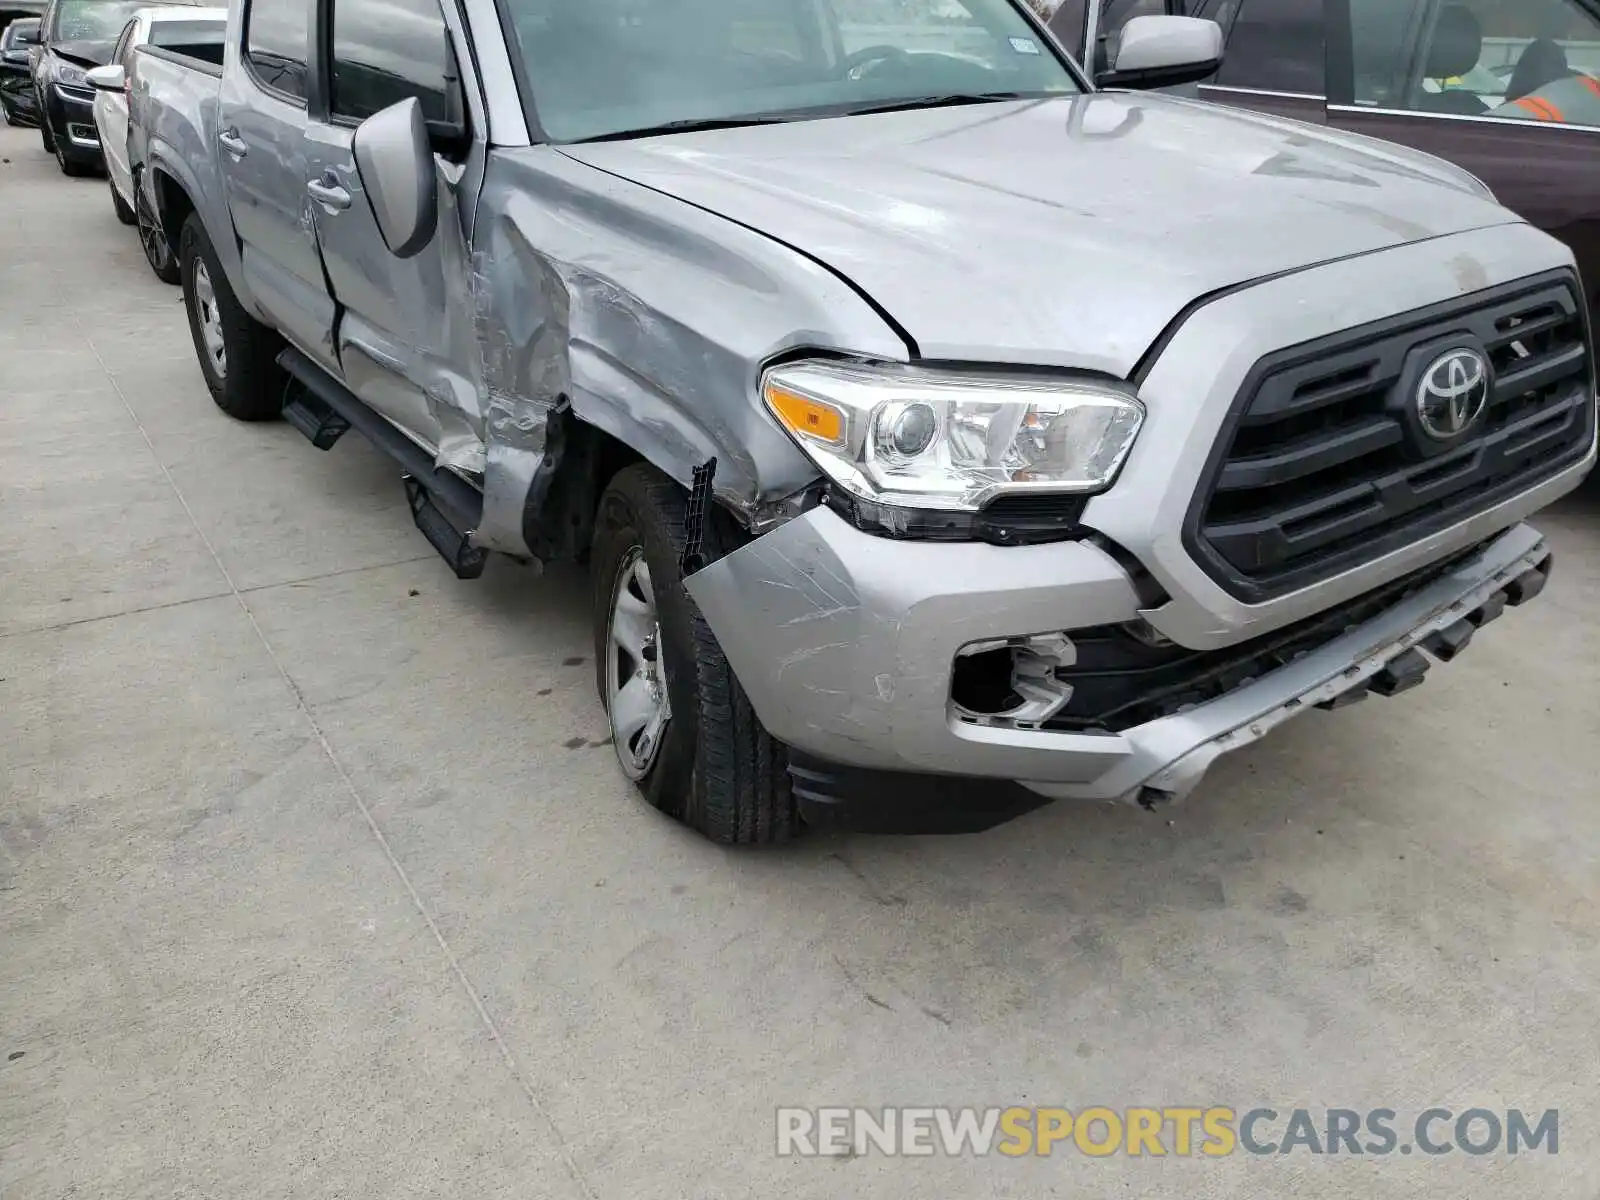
{"x": 845, "y": 655}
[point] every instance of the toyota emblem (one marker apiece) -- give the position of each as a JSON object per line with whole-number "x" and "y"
{"x": 1453, "y": 393}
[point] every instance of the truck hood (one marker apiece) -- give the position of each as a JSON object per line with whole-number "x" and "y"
{"x": 1065, "y": 232}
{"x": 85, "y": 54}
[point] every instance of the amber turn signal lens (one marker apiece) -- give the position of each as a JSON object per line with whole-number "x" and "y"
{"x": 806, "y": 416}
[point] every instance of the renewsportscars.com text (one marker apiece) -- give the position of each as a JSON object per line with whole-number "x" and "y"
{"x": 1206, "y": 1132}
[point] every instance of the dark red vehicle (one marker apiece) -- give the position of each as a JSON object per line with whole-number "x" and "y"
{"x": 1508, "y": 89}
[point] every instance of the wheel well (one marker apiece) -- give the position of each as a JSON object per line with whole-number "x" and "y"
{"x": 173, "y": 205}
{"x": 580, "y": 461}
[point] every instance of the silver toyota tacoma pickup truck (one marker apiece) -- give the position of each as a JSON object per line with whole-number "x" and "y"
{"x": 920, "y": 404}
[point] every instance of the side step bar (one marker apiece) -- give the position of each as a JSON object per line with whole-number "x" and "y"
{"x": 321, "y": 425}
{"x": 445, "y": 507}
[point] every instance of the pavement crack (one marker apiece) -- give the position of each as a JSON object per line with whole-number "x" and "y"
{"x": 874, "y": 893}
{"x": 853, "y": 981}
{"x": 474, "y": 995}
{"x": 126, "y": 612}
{"x": 318, "y": 578}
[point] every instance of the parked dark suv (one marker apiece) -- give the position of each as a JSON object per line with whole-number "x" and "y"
{"x": 79, "y": 35}
{"x": 1508, "y": 89}
{"x": 16, "y": 84}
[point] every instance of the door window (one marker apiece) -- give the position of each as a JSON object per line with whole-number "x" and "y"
{"x": 1530, "y": 60}
{"x": 387, "y": 50}
{"x": 1275, "y": 46}
{"x": 275, "y": 44}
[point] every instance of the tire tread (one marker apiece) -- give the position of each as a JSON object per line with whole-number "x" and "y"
{"x": 738, "y": 787}
{"x": 253, "y": 388}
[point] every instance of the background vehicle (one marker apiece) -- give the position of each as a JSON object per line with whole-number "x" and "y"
{"x": 761, "y": 309}
{"x": 19, "y": 10}
{"x": 195, "y": 33}
{"x": 17, "y": 43}
{"x": 79, "y": 35}
{"x": 1505, "y": 88}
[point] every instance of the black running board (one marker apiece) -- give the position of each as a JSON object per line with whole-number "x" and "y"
{"x": 445, "y": 507}
{"x": 321, "y": 424}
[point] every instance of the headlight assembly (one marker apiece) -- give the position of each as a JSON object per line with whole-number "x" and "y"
{"x": 71, "y": 75}
{"x": 951, "y": 441}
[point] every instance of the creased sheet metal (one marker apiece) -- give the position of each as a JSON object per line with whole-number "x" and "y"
{"x": 651, "y": 319}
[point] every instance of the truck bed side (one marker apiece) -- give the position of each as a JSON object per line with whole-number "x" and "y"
{"x": 173, "y": 112}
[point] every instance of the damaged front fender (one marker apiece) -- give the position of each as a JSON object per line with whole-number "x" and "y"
{"x": 651, "y": 321}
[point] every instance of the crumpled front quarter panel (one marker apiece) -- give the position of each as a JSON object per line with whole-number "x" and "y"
{"x": 651, "y": 319}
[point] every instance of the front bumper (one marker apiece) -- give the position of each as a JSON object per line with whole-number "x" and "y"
{"x": 847, "y": 643}
{"x": 71, "y": 118}
{"x": 845, "y": 657}
{"x": 17, "y": 98}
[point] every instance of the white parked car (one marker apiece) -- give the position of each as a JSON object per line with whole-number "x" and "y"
{"x": 193, "y": 32}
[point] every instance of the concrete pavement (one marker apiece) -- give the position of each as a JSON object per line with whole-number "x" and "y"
{"x": 317, "y": 879}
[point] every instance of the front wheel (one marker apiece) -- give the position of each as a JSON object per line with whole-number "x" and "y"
{"x": 69, "y": 165}
{"x": 154, "y": 240}
{"x": 683, "y": 730}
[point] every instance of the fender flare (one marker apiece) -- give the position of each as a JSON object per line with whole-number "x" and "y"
{"x": 162, "y": 160}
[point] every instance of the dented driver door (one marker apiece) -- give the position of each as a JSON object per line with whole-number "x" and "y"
{"x": 405, "y": 337}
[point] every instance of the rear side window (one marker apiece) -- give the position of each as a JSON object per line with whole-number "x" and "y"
{"x": 1532, "y": 60}
{"x": 202, "y": 40}
{"x": 275, "y": 44}
{"x": 187, "y": 33}
{"x": 386, "y": 50}
{"x": 1276, "y": 46}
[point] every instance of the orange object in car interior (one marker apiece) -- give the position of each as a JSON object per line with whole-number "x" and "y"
{"x": 1541, "y": 108}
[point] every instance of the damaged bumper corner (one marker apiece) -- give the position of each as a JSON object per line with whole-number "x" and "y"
{"x": 846, "y": 643}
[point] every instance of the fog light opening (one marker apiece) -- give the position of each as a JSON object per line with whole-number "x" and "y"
{"x": 1011, "y": 682}
{"x": 981, "y": 683}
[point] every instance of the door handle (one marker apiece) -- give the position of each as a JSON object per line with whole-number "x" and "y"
{"x": 235, "y": 145}
{"x": 327, "y": 191}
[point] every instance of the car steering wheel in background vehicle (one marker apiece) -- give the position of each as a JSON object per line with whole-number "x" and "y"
{"x": 855, "y": 64}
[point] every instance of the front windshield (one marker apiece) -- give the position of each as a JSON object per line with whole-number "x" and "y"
{"x": 91, "y": 20}
{"x": 606, "y": 68}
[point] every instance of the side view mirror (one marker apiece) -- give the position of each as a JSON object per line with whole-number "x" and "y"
{"x": 29, "y": 37}
{"x": 395, "y": 163}
{"x": 108, "y": 79}
{"x": 1158, "y": 52}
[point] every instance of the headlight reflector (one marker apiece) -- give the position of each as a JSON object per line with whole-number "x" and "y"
{"x": 946, "y": 440}
{"x": 69, "y": 74}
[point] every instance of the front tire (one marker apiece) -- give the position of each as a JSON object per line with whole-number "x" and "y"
{"x": 238, "y": 355}
{"x": 70, "y": 166}
{"x": 683, "y": 729}
{"x": 153, "y": 238}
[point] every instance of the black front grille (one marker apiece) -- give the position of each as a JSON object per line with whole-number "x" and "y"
{"x": 1322, "y": 465}
{"x": 1120, "y": 681}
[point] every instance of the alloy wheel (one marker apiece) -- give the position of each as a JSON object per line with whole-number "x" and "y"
{"x": 636, "y": 684}
{"x": 157, "y": 249}
{"x": 210, "y": 320}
